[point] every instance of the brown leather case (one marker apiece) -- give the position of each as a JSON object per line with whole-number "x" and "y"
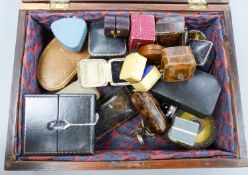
{"x": 114, "y": 110}
{"x": 178, "y": 63}
{"x": 152, "y": 52}
{"x": 149, "y": 108}
{"x": 57, "y": 66}
{"x": 170, "y": 31}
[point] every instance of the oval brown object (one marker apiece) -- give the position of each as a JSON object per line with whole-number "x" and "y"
{"x": 152, "y": 52}
{"x": 57, "y": 66}
{"x": 148, "y": 107}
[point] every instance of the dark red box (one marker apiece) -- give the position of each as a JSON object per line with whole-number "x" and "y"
{"x": 142, "y": 31}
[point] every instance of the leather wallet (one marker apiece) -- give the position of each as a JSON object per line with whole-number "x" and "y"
{"x": 114, "y": 110}
{"x": 197, "y": 96}
{"x": 99, "y": 72}
{"x": 57, "y": 66}
{"x": 59, "y": 124}
{"x": 101, "y": 45}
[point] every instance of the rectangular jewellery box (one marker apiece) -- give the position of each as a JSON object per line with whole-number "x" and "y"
{"x": 54, "y": 124}
{"x": 119, "y": 150}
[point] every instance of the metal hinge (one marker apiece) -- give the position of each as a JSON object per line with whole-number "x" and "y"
{"x": 197, "y": 4}
{"x": 59, "y": 4}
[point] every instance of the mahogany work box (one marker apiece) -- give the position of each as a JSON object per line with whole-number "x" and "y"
{"x": 120, "y": 151}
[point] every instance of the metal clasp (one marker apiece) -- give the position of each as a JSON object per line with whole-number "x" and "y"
{"x": 115, "y": 33}
{"x": 59, "y": 4}
{"x": 63, "y": 124}
{"x": 197, "y": 4}
{"x": 141, "y": 132}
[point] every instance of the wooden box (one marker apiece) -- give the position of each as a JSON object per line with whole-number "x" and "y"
{"x": 33, "y": 34}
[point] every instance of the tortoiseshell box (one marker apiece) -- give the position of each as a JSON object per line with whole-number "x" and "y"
{"x": 119, "y": 150}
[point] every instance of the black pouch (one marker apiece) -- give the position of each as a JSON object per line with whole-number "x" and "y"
{"x": 101, "y": 45}
{"x": 198, "y": 95}
{"x": 59, "y": 124}
{"x": 114, "y": 110}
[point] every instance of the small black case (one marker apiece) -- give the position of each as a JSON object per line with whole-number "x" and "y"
{"x": 197, "y": 96}
{"x": 59, "y": 124}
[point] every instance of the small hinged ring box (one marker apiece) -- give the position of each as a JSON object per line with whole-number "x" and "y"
{"x": 150, "y": 76}
{"x": 133, "y": 68}
{"x": 178, "y": 63}
{"x": 99, "y": 72}
{"x": 142, "y": 31}
{"x": 183, "y": 131}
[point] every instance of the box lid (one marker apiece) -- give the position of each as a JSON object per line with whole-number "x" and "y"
{"x": 135, "y": 1}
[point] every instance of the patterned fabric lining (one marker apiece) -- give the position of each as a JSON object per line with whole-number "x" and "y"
{"x": 119, "y": 145}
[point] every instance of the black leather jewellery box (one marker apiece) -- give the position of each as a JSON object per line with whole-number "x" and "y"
{"x": 59, "y": 124}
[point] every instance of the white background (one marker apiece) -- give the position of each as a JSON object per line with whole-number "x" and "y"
{"x": 8, "y": 26}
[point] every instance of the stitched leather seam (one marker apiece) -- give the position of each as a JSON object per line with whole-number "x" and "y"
{"x": 59, "y": 152}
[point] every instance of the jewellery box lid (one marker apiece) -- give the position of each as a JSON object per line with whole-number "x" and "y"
{"x": 57, "y": 129}
{"x": 135, "y": 1}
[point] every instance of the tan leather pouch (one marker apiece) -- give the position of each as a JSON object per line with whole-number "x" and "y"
{"x": 57, "y": 66}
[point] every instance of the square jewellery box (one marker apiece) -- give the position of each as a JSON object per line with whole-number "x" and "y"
{"x": 99, "y": 72}
{"x": 120, "y": 150}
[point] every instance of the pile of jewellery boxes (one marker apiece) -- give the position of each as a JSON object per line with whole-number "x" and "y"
{"x": 124, "y": 86}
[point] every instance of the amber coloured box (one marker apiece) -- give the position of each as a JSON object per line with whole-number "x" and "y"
{"x": 229, "y": 150}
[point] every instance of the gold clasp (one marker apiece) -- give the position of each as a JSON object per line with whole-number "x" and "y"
{"x": 197, "y": 4}
{"x": 59, "y": 4}
{"x": 115, "y": 34}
